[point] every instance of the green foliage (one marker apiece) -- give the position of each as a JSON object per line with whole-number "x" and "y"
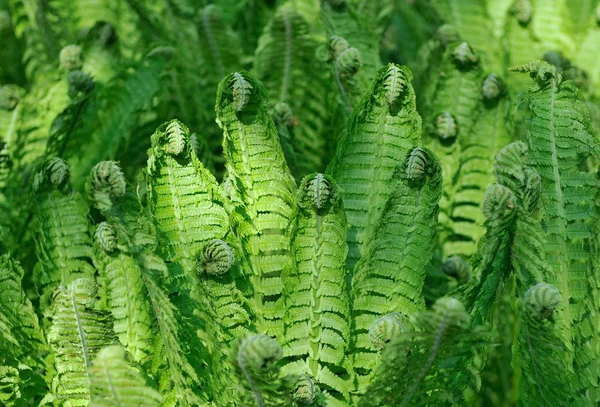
{"x": 363, "y": 207}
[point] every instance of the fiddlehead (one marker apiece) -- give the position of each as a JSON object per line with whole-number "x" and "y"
{"x": 106, "y": 237}
{"x": 176, "y": 137}
{"x": 445, "y": 126}
{"x": 70, "y": 57}
{"x": 499, "y": 205}
{"x": 106, "y": 183}
{"x": 306, "y": 390}
{"x": 384, "y": 330}
{"x": 10, "y": 95}
{"x": 395, "y": 83}
{"x": 464, "y": 57}
{"x": 493, "y": 87}
{"x": 317, "y": 193}
{"x": 417, "y": 165}
{"x": 522, "y": 10}
{"x": 215, "y": 259}
{"x": 456, "y": 267}
{"x": 541, "y": 301}
{"x": 80, "y": 83}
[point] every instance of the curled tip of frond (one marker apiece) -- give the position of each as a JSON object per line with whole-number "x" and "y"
{"x": 457, "y": 268}
{"x": 446, "y": 126}
{"x": 447, "y": 34}
{"x": 515, "y": 152}
{"x": 348, "y": 62}
{"x": 85, "y": 291}
{"x": 106, "y": 237}
{"x": 259, "y": 352}
{"x": 241, "y": 89}
{"x": 453, "y": 310}
{"x": 492, "y": 88}
{"x": 540, "y": 71}
{"x": 215, "y": 259}
{"x": 70, "y": 57}
{"x": 384, "y": 330}
{"x": 79, "y": 82}
{"x": 306, "y": 390}
{"x": 416, "y": 166}
{"x": 317, "y": 191}
{"x": 107, "y": 177}
{"x": 57, "y": 171}
{"x": 177, "y": 134}
{"x": 10, "y": 95}
{"x": 464, "y": 56}
{"x": 499, "y": 204}
{"x": 522, "y": 10}
{"x": 282, "y": 113}
{"x": 396, "y": 80}
{"x": 541, "y": 301}
{"x": 337, "y": 45}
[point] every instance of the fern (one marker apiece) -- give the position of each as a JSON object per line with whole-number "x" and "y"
{"x": 377, "y": 137}
{"x": 115, "y": 383}
{"x": 77, "y": 334}
{"x": 560, "y": 137}
{"x": 430, "y": 365}
{"x": 63, "y": 242}
{"x": 317, "y": 308}
{"x": 389, "y": 277}
{"x": 289, "y": 35}
{"x": 262, "y": 197}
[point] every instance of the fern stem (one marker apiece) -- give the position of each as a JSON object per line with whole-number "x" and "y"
{"x": 82, "y": 338}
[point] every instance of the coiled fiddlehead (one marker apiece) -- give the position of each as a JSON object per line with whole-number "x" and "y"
{"x": 541, "y": 301}
{"x": 499, "y": 205}
{"x": 106, "y": 237}
{"x": 106, "y": 183}
{"x": 337, "y": 45}
{"x": 242, "y": 90}
{"x": 447, "y": 34}
{"x": 177, "y": 133}
{"x": 70, "y": 57}
{"x": 522, "y": 10}
{"x": 416, "y": 166}
{"x": 306, "y": 390}
{"x": 492, "y": 88}
{"x": 445, "y": 126}
{"x": 384, "y": 330}
{"x": 215, "y": 259}
{"x": 79, "y": 83}
{"x": 464, "y": 56}
{"x": 10, "y": 95}
{"x": 282, "y": 114}
{"x": 57, "y": 171}
{"x": 316, "y": 192}
{"x": 457, "y": 268}
{"x": 256, "y": 354}
{"x": 348, "y": 62}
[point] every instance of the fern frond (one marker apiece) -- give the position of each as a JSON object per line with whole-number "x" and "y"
{"x": 285, "y": 62}
{"x": 317, "y": 308}
{"x": 537, "y": 353}
{"x": 263, "y": 196}
{"x": 377, "y": 137}
{"x": 429, "y": 365}
{"x": 561, "y": 138}
{"x": 114, "y": 383}
{"x": 63, "y": 242}
{"x": 78, "y": 332}
{"x": 389, "y": 277}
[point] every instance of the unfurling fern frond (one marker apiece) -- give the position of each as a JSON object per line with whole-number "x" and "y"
{"x": 256, "y": 359}
{"x": 285, "y": 61}
{"x": 544, "y": 378}
{"x": 215, "y": 259}
{"x": 115, "y": 383}
{"x": 78, "y": 332}
{"x": 429, "y": 365}
{"x": 389, "y": 278}
{"x": 63, "y": 243}
{"x": 384, "y": 330}
{"x": 456, "y": 267}
{"x": 241, "y": 90}
{"x": 377, "y": 137}
{"x": 561, "y": 139}
{"x": 317, "y": 307}
{"x": 263, "y": 198}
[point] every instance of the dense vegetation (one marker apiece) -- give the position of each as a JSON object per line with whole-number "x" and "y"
{"x": 299, "y": 203}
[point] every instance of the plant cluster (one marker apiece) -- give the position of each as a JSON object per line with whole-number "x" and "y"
{"x": 336, "y": 203}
